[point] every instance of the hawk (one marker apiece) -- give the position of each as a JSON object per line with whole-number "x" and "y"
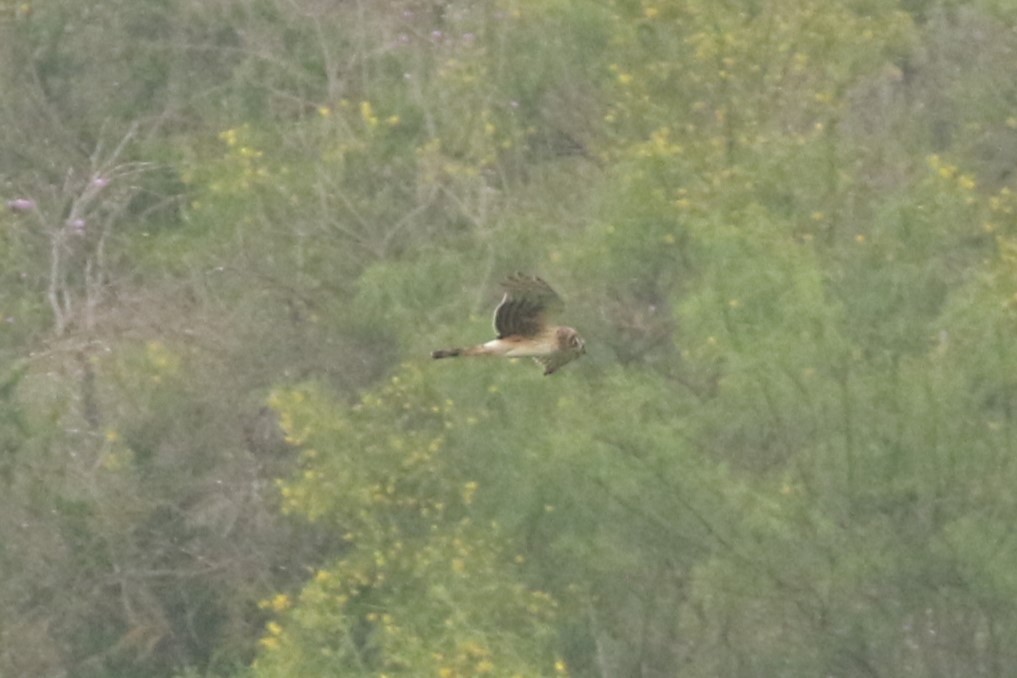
{"x": 521, "y": 322}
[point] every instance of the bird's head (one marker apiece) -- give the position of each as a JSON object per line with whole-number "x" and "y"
{"x": 578, "y": 345}
{"x": 572, "y": 342}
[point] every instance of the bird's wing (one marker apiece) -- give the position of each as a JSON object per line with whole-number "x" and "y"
{"x": 553, "y": 361}
{"x": 524, "y": 309}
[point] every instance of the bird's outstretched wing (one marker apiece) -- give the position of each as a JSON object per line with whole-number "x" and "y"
{"x": 524, "y": 309}
{"x": 552, "y": 362}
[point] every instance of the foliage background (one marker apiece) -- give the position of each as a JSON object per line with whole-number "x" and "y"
{"x": 236, "y": 228}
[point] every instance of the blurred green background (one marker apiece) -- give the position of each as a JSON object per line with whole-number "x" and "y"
{"x": 235, "y": 229}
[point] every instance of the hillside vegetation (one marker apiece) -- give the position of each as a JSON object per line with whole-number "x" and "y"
{"x": 235, "y": 229}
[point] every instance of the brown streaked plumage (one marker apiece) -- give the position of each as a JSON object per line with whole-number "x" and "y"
{"x": 521, "y": 323}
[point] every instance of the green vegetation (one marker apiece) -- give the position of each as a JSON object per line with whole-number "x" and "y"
{"x": 236, "y": 228}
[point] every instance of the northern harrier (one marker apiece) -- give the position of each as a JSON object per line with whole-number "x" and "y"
{"x": 523, "y": 330}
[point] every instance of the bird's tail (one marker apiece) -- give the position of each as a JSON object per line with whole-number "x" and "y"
{"x": 480, "y": 349}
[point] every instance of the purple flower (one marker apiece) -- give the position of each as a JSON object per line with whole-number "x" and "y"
{"x": 21, "y": 205}
{"x": 77, "y": 226}
{"x": 403, "y": 39}
{"x": 468, "y": 38}
{"x": 100, "y": 182}
{"x": 407, "y": 13}
{"x": 437, "y": 35}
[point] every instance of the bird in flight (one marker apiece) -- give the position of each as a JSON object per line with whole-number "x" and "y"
{"x": 521, "y": 322}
